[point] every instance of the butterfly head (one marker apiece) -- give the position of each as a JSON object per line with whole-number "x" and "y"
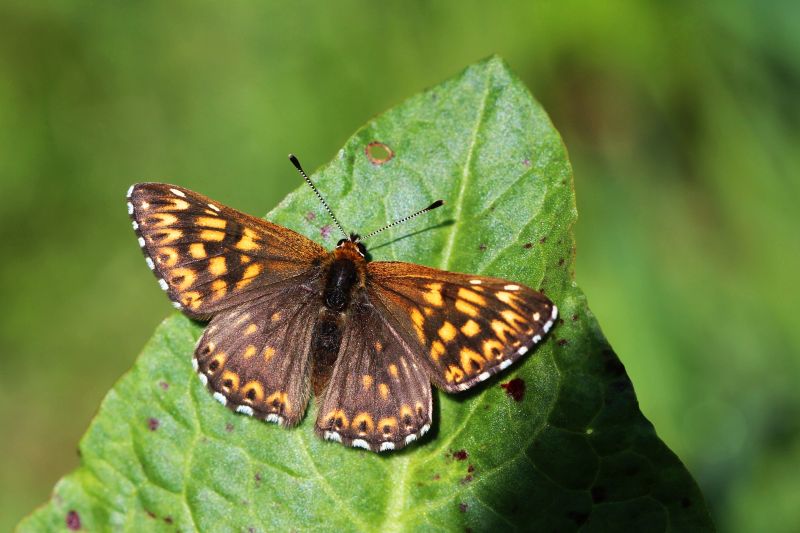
{"x": 353, "y": 243}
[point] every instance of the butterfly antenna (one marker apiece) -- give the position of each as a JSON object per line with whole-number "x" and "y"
{"x": 434, "y": 205}
{"x": 302, "y": 172}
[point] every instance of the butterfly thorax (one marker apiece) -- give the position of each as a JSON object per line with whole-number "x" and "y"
{"x": 346, "y": 272}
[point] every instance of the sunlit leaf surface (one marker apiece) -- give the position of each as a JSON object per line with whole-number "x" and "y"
{"x": 554, "y": 443}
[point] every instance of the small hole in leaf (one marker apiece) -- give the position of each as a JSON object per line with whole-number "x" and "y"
{"x": 378, "y": 153}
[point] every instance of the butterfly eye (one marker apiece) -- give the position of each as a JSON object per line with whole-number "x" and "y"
{"x": 362, "y": 249}
{"x": 341, "y": 241}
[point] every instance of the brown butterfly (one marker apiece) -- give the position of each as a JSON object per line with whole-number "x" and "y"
{"x": 286, "y": 316}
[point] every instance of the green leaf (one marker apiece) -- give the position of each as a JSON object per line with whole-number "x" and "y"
{"x": 574, "y": 451}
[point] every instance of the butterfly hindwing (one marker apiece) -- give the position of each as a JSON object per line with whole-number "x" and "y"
{"x": 209, "y": 257}
{"x": 467, "y": 328}
{"x": 378, "y": 397}
{"x": 255, "y": 358}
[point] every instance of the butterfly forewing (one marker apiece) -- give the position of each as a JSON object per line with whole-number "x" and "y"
{"x": 209, "y": 257}
{"x": 467, "y": 328}
{"x": 254, "y": 358}
{"x": 379, "y": 397}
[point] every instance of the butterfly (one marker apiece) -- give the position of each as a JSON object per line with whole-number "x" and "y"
{"x": 288, "y": 318}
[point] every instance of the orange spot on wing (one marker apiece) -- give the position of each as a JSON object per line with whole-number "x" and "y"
{"x": 219, "y": 288}
{"x": 471, "y": 296}
{"x": 258, "y": 392}
{"x": 447, "y": 332}
{"x": 366, "y": 381}
{"x": 197, "y": 250}
{"x": 434, "y": 294}
{"x": 249, "y": 352}
{"x": 248, "y": 240}
{"x": 383, "y": 389}
{"x": 269, "y": 351}
{"x": 249, "y": 274}
{"x": 363, "y": 423}
{"x": 393, "y": 370}
{"x": 167, "y": 256}
{"x": 212, "y": 235}
{"x": 211, "y": 222}
{"x": 437, "y": 350}
{"x": 466, "y": 308}
{"x": 229, "y": 381}
{"x": 217, "y": 266}
{"x": 182, "y": 278}
{"x": 471, "y": 328}
{"x": 471, "y": 361}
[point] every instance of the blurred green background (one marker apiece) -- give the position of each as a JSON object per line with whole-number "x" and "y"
{"x": 682, "y": 120}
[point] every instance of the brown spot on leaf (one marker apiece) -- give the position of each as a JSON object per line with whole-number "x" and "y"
{"x": 310, "y": 216}
{"x": 528, "y": 245}
{"x": 562, "y": 342}
{"x": 543, "y": 240}
{"x": 481, "y": 247}
{"x": 526, "y": 162}
{"x": 228, "y": 427}
{"x": 163, "y": 384}
{"x": 470, "y": 469}
{"x": 73, "y": 520}
{"x": 460, "y": 455}
{"x": 168, "y": 519}
{"x": 436, "y": 477}
{"x": 153, "y": 423}
{"x": 325, "y": 231}
{"x": 561, "y": 262}
{"x": 463, "y": 507}
{"x": 466, "y": 479}
{"x": 378, "y": 153}
{"x": 515, "y": 389}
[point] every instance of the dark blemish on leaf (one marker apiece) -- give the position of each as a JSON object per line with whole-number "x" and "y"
{"x": 543, "y": 240}
{"x": 325, "y": 231}
{"x": 470, "y": 469}
{"x": 599, "y": 494}
{"x": 153, "y": 423}
{"x": 378, "y": 153}
{"x": 515, "y": 389}
{"x": 163, "y": 384}
{"x": 460, "y": 455}
{"x": 436, "y": 477}
{"x": 686, "y": 502}
{"x": 228, "y": 427}
{"x": 310, "y": 216}
{"x": 168, "y": 519}
{"x": 257, "y": 477}
{"x": 562, "y": 342}
{"x": 574, "y": 318}
{"x": 526, "y": 162}
{"x": 463, "y": 507}
{"x": 481, "y": 247}
{"x": 561, "y": 262}
{"x": 466, "y": 479}
{"x": 73, "y": 520}
{"x": 528, "y": 245}
{"x": 150, "y": 514}
{"x": 577, "y": 518}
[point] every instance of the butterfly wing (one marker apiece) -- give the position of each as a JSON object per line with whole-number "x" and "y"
{"x": 209, "y": 257}
{"x": 465, "y": 328}
{"x": 378, "y": 397}
{"x": 255, "y": 358}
